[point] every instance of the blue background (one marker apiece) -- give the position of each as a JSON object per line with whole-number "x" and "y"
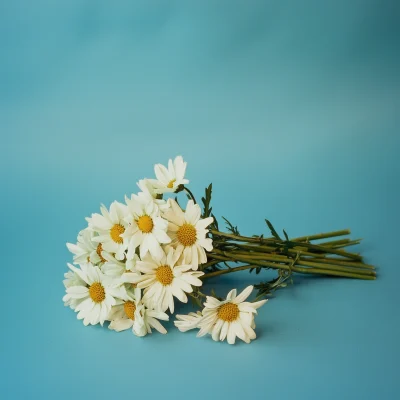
{"x": 290, "y": 108}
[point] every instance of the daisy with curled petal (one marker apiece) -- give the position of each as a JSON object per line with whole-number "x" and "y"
{"x": 96, "y": 294}
{"x": 149, "y": 190}
{"x": 110, "y": 226}
{"x": 86, "y": 250}
{"x": 115, "y": 268}
{"x": 133, "y": 314}
{"x": 163, "y": 280}
{"x": 147, "y": 229}
{"x": 188, "y": 232}
{"x": 189, "y": 321}
{"x": 231, "y": 318}
{"x": 172, "y": 179}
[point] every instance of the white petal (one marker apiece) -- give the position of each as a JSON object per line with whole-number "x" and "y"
{"x": 244, "y": 295}
{"x": 120, "y": 324}
{"x": 231, "y": 295}
{"x": 231, "y": 334}
{"x": 156, "y": 325}
{"x": 217, "y": 329}
{"x": 193, "y": 212}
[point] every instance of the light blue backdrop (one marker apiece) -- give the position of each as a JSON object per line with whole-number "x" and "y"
{"x": 290, "y": 108}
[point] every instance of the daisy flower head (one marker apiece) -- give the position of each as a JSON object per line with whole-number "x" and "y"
{"x": 115, "y": 268}
{"x": 133, "y": 314}
{"x": 149, "y": 190}
{"x": 86, "y": 250}
{"x": 95, "y": 292}
{"x": 164, "y": 279}
{"x": 171, "y": 179}
{"x": 72, "y": 279}
{"x": 110, "y": 225}
{"x": 188, "y": 232}
{"x": 230, "y": 318}
{"x": 147, "y": 229}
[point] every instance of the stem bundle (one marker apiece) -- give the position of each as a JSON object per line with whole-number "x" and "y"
{"x": 300, "y": 255}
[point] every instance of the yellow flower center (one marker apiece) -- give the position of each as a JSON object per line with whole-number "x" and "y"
{"x": 187, "y": 234}
{"x": 99, "y": 249}
{"x": 97, "y": 292}
{"x": 228, "y": 312}
{"x": 164, "y": 275}
{"x": 115, "y": 233}
{"x": 171, "y": 184}
{"x": 145, "y": 224}
{"x": 130, "y": 308}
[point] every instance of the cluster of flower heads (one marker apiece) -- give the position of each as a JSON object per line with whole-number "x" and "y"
{"x": 135, "y": 259}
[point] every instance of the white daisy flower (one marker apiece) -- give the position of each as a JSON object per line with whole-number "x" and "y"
{"x": 115, "y": 268}
{"x": 189, "y": 321}
{"x": 110, "y": 226}
{"x": 72, "y": 279}
{"x": 230, "y": 318}
{"x": 86, "y": 250}
{"x": 147, "y": 229}
{"x": 96, "y": 294}
{"x": 188, "y": 232}
{"x": 163, "y": 280}
{"x": 172, "y": 179}
{"x": 149, "y": 190}
{"x": 133, "y": 314}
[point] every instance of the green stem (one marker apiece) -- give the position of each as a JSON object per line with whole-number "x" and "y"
{"x": 227, "y": 271}
{"x": 280, "y": 243}
{"x": 322, "y": 235}
{"x": 190, "y": 194}
{"x": 302, "y": 270}
{"x": 309, "y": 270}
{"x": 301, "y": 261}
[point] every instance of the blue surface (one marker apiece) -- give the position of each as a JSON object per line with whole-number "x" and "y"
{"x": 291, "y": 109}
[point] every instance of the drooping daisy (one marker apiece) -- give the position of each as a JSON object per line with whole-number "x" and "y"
{"x": 132, "y": 313}
{"x": 110, "y": 226}
{"x": 172, "y": 179}
{"x": 86, "y": 250}
{"x": 96, "y": 292}
{"x": 188, "y": 232}
{"x": 230, "y": 318}
{"x": 163, "y": 280}
{"x": 189, "y": 321}
{"x": 147, "y": 229}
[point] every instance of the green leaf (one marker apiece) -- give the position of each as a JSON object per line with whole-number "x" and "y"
{"x": 233, "y": 229}
{"x": 274, "y": 233}
{"x": 206, "y": 201}
{"x": 286, "y": 235}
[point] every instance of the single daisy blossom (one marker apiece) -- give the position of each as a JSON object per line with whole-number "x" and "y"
{"x": 230, "y": 318}
{"x": 115, "y": 268}
{"x": 96, "y": 294}
{"x": 149, "y": 190}
{"x": 110, "y": 226}
{"x": 147, "y": 229}
{"x": 163, "y": 280}
{"x": 133, "y": 314}
{"x": 72, "y": 279}
{"x": 86, "y": 250}
{"x": 188, "y": 232}
{"x": 171, "y": 179}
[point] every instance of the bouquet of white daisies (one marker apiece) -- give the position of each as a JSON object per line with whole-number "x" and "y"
{"x": 135, "y": 259}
